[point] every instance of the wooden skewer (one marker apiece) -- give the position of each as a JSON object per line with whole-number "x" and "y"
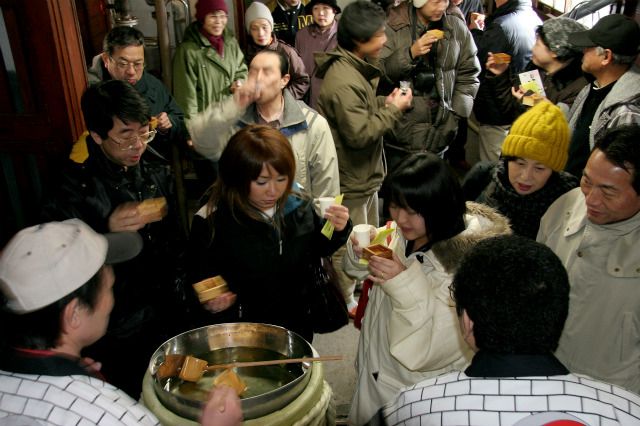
{"x": 273, "y": 362}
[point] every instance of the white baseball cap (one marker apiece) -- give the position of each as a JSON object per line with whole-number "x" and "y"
{"x": 43, "y": 263}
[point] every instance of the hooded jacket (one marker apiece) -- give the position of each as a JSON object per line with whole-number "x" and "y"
{"x": 456, "y": 73}
{"x": 200, "y": 75}
{"x": 358, "y": 119}
{"x": 410, "y": 328}
{"x": 510, "y": 29}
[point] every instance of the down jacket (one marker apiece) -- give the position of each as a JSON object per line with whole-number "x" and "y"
{"x": 200, "y": 75}
{"x": 410, "y": 328}
{"x": 358, "y": 119}
{"x": 456, "y": 70}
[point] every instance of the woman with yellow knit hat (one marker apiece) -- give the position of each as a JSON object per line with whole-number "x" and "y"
{"x": 529, "y": 176}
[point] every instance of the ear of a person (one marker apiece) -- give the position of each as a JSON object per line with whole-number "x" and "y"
{"x": 105, "y": 58}
{"x": 285, "y": 80}
{"x": 467, "y": 330}
{"x": 71, "y": 316}
{"x": 96, "y": 137}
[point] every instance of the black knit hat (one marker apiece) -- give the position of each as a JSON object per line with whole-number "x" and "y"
{"x": 616, "y": 32}
{"x": 331, "y": 3}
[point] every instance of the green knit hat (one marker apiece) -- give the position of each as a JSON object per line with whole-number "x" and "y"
{"x": 540, "y": 134}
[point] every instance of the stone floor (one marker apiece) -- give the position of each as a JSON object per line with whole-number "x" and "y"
{"x": 340, "y": 375}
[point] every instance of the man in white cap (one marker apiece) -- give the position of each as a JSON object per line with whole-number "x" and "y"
{"x": 56, "y": 282}
{"x": 56, "y": 291}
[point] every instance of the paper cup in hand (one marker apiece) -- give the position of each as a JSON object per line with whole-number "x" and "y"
{"x": 325, "y": 203}
{"x": 362, "y": 234}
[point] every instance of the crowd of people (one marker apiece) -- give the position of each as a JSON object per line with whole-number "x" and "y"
{"x": 510, "y": 296}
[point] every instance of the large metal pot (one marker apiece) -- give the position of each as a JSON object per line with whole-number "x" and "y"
{"x": 269, "y": 388}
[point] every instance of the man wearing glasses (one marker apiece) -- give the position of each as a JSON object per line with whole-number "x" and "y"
{"x": 106, "y": 191}
{"x": 123, "y": 59}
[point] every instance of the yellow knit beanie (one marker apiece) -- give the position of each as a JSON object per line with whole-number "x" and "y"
{"x": 540, "y": 134}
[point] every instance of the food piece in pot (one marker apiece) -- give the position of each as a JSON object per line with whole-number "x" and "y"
{"x": 501, "y": 58}
{"x": 377, "y": 250}
{"x": 192, "y": 369}
{"x": 170, "y": 366}
{"x": 229, "y": 378}
{"x": 153, "y": 209}
{"x": 439, "y": 34}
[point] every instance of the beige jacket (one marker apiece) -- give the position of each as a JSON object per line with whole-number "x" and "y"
{"x": 410, "y": 328}
{"x": 601, "y": 337}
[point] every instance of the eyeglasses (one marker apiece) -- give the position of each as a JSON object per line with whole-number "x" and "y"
{"x": 217, "y": 16}
{"x": 124, "y": 65}
{"x": 130, "y": 143}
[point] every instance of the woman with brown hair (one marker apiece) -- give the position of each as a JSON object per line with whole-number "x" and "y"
{"x": 261, "y": 235}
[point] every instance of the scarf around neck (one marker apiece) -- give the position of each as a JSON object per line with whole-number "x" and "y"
{"x": 217, "y": 42}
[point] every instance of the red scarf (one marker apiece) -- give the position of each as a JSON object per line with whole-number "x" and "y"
{"x": 217, "y": 42}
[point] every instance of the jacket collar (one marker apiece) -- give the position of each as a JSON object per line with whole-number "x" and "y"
{"x": 487, "y": 364}
{"x": 325, "y": 60}
{"x": 293, "y": 119}
{"x": 42, "y": 362}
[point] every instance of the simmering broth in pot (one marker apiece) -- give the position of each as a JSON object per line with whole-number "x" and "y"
{"x": 259, "y": 380}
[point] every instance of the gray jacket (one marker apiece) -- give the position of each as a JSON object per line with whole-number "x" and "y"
{"x": 620, "y": 107}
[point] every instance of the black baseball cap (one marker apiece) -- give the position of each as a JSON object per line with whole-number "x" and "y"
{"x": 619, "y": 33}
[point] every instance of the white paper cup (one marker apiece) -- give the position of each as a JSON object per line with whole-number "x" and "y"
{"x": 325, "y": 203}
{"x": 362, "y": 234}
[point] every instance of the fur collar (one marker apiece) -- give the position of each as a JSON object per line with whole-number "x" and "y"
{"x": 481, "y": 222}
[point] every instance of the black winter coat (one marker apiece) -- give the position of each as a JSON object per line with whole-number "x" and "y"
{"x": 510, "y": 29}
{"x": 266, "y": 267}
{"x": 149, "y": 296}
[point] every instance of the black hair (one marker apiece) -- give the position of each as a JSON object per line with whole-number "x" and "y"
{"x": 621, "y": 146}
{"x": 516, "y": 292}
{"x": 424, "y": 183}
{"x": 120, "y": 37}
{"x": 359, "y": 21}
{"x": 104, "y": 101}
{"x": 284, "y": 60}
{"x": 41, "y": 329}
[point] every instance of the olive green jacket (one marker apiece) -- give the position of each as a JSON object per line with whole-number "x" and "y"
{"x": 200, "y": 75}
{"x": 358, "y": 119}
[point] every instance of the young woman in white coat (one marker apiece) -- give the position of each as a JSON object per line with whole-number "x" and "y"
{"x": 410, "y": 328}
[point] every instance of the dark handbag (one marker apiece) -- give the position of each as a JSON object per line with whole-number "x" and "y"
{"x": 328, "y": 309}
